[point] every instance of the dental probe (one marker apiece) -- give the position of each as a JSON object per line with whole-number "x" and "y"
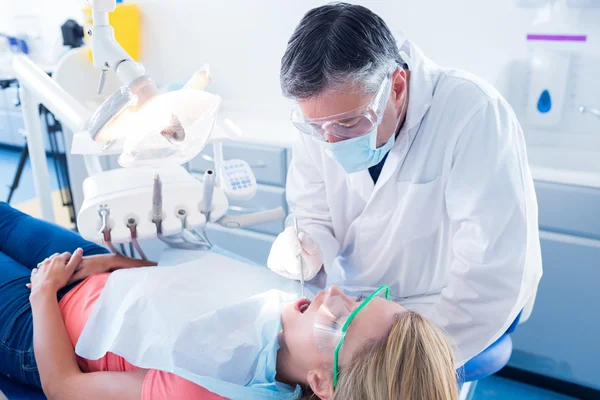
{"x": 301, "y": 261}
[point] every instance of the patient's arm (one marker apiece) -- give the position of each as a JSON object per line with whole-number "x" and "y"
{"x": 59, "y": 372}
{"x": 57, "y": 364}
{"x": 99, "y": 264}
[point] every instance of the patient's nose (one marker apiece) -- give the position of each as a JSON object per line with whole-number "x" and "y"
{"x": 336, "y": 291}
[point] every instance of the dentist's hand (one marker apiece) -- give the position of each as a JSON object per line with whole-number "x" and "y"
{"x": 285, "y": 252}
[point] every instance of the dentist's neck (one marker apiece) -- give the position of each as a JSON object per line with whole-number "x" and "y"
{"x": 287, "y": 371}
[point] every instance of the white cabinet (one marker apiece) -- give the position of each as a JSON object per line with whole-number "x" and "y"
{"x": 560, "y": 340}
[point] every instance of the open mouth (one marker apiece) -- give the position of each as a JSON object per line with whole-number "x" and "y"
{"x": 302, "y": 305}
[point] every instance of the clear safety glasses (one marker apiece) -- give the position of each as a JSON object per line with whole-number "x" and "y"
{"x": 350, "y": 124}
{"x": 333, "y": 319}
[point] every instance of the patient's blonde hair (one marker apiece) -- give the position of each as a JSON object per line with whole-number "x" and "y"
{"x": 414, "y": 362}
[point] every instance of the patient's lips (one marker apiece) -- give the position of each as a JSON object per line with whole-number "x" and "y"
{"x": 302, "y": 305}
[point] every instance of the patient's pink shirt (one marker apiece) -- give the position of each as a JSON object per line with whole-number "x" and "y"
{"x": 76, "y": 307}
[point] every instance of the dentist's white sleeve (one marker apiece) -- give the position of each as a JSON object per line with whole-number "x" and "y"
{"x": 307, "y": 198}
{"x": 486, "y": 197}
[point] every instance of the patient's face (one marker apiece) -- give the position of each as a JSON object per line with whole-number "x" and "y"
{"x": 372, "y": 322}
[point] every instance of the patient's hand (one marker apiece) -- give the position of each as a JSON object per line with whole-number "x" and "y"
{"x": 54, "y": 272}
{"x": 92, "y": 265}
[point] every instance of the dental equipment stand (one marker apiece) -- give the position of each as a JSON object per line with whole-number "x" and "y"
{"x": 170, "y": 205}
{"x": 106, "y": 215}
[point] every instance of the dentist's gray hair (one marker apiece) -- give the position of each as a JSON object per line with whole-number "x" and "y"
{"x": 336, "y": 45}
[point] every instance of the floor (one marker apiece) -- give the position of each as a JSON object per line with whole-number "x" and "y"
{"x": 500, "y": 388}
{"x": 9, "y": 160}
{"x": 490, "y": 388}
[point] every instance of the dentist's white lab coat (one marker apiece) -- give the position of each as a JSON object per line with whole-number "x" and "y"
{"x": 451, "y": 225}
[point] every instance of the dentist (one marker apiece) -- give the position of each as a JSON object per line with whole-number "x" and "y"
{"x": 406, "y": 174}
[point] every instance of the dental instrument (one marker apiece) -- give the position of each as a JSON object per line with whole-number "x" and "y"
{"x": 104, "y": 213}
{"x": 157, "y": 200}
{"x": 156, "y": 214}
{"x": 208, "y": 185}
{"x": 192, "y": 236}
{"x": 301, "y": 260}
{"x": 131, "y": 250}
{"x": 132, "y": 225}
{"x": 183, "y": 241}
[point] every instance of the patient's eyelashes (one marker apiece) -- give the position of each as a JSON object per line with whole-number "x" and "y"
{"x": 360, "y": 298}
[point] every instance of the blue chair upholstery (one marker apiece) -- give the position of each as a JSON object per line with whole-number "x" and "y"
{"x": 489, "y": 361}
{"x": 492, "y": 359}
{"x": 16, "y": 391}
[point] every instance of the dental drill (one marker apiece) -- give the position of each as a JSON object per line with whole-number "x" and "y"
{"x": 132, "y": 225}
{"x": 208, "y": 186}
{"x": 104, "y": 213}
{"x": 157, "y": 201}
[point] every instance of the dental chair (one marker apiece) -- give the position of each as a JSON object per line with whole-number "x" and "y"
{"x": 486, "y": 363}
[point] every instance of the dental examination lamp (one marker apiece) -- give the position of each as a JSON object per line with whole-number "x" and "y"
{"x": 155, "y": 129}
{"x": 156, "y": 132}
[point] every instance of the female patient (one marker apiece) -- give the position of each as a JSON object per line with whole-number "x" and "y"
{"x": 387, "y": 353}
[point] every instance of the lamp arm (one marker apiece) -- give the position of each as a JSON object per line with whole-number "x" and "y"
{"x": 106, "y": 52}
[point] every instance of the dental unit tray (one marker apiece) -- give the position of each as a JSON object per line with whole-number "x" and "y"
{"x": 128, "y": 194}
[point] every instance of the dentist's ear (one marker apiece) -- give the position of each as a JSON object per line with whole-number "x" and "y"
{"x": 399, "y": 86}
{"x": 321, "y": 383}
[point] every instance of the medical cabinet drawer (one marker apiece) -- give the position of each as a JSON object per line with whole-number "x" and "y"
{"x": 266, "y": 198}
{"x": 569, "y": 209}
{"x": 252, "y": 245}
{"x": 269, "y": 163}
{"x": 560, "y": 339}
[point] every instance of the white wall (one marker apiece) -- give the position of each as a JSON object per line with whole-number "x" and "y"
{"x": 243, "y": 40}
{"x": 51, "y": 13}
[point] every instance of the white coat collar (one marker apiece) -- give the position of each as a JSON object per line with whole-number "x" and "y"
{"x": 423, "y": 73}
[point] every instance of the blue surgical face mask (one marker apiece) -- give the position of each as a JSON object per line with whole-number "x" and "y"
{"x": 360, "y": 153}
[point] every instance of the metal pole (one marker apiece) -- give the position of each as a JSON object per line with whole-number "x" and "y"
{"x": 37, "y": 152}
